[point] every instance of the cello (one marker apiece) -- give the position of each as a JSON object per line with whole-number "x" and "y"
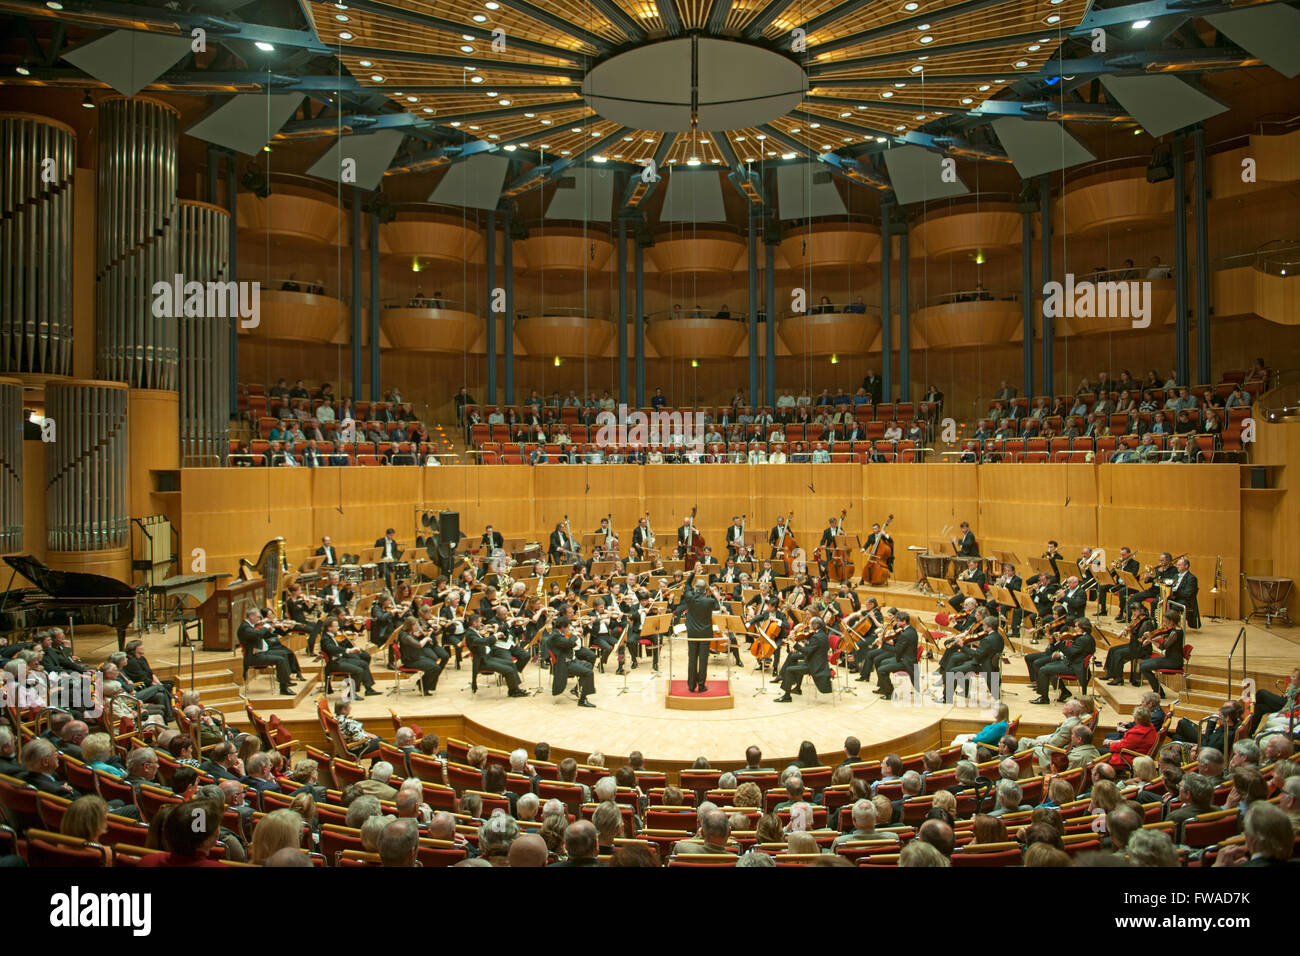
{"x": 876, "y": 571}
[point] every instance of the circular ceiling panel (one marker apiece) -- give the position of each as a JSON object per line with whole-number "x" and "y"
{"x": 695, "y": 83}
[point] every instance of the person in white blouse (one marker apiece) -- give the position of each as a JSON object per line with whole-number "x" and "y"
{"x": 655, "y": 457}
{"x": 893, "y": 432}
{"x": 325, "y": 413}
{"x": 757, "y": 456}
{"x": 785, "y": 400}
{"x": 777, "y": 457}
{"x": 496, "y": 418}
{"x": 820, "y": 454}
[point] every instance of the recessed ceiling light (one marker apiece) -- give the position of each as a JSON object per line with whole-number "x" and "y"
{"x": 923, "y": 27}
{"x": 529, "y": 115}
{"x": 345, "y": 35}
{"x": 467, "y": 36}
{"x": 22, "y": 70}
{"x": 882, "y": 139}
{"x": 479, "y": 18}
{"x": 493, "y": 136}
{"x": 1020, "y": 64}
{"x": 862, "y": 107}
{"x": 366, "y": 63}
{"x": 54, "y": 4}
{"x": 1054, "y": 18}
{"x": 260, "y": 44}
{"x": 546, "y": 122}
{"x": 789, "y": 155}
{"x": 466, "y": 48}
{"x": 576, "y": 129}
{"x": 648, "y": 139}
{"x": 693, "y": 161}
{"x": 918, "y": 68}
{"x": 1141, "y": 24}
{"x": 476, "y": 79}
{"x": 504, "y": 102}
{"x": 911, "y": 5}
{"x": 846, "y": 113}
{"x": 598, "y": 159}
{"x": 927, "y": 39}
{"x": 428, "y": 109}
{"x": 967, "y": 100}
{"x": 341, "y": 17}
{"x": 899, "y": 129}
{"x": 595, "y": 135}
{"x": 984, "y": 87}
{"x": 1033, "y": 48}
{"x": 455, "y": 122}
{"x": 377, "y": 77}
{"x": 510, "y": 148}
{"x": 412, "y": 99}
{"x": 760, "y": 136}
{"x": 887, "y": 94}
{"x": 564, "y": 152}
{"x": 740, "y": 139}
{"x": 899, "y": 86}
{"x": 814, "y": 125}
{"x": 490, "y": 93}
{"x": 474, "y": 127}
{"x": 920, "y": 116}
{"x": 794, "y": 129}
{"x": 491, "y": 5}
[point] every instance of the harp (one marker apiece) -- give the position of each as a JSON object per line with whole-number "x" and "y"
{"x": 271, "y": 564}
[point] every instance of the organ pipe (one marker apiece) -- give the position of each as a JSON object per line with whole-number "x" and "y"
{"x": 86, "y": 466}
{"x": 204, "y": 372}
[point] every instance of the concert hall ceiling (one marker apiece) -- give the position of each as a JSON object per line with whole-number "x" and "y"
{"x": 732, "y": 85}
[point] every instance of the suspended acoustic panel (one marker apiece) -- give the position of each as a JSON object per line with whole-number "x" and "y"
{"x": 38, "y": 158}
{"x": 475, "y": 183}
{"x": 1036, "y": 148}
{"x": 11, "y": 465}
{"x": 693, "y": 196}
{"x": 128, "y": 60}
{"x": 804, "y": 190}
{"x": 369, "y": 155}
{"x": 582, "y": 194}
{"x": 1269, "y": 32}
{"x": 86, "y": 466}
{"x": 918, "y": 175}
{"x": 136, "y": 226}
{"x": 246, "y": 123}
{"x": 1162, "y": 103}
{"x": 204, "y": 236}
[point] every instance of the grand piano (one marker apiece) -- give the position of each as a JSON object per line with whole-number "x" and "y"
{"x": 63, "y": 598}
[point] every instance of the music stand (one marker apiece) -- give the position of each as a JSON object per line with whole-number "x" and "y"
{"x": 653, "y": 626}
{"x": 1002, "y": 596}
{"x": 941, "y": 586}
{"x": 618, "y": 646}
{"x": 972, "y": 590}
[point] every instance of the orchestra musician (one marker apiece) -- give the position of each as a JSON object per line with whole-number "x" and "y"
{"x": 1054, "y": 624}
{"x": 883, "y": 536}
{"x": 327, "y": 551}
{"x": 765, "y": 574}
{"x": 736, "y": 537}
{"x": 964, "y": 622}
{"x": 419, "y": 650}
{"x": 831, "y": 533}
{"x": 847, "y": 594}
{"x": 1133, "y": 652}
{"x": 632, "y": 601}
{"x": 262, "y": 647}
{"x": 1164, "y": 573}
{"x": 1168, "y": 641}
{"x": 970, "y": 661}
{"x": 1184, "y": 592}
{"x": 562, "y": 548}
{"x": 697, "y": 605}
{"x": 1073, "y": 658}
{"x": 808, "y": 658}
{"x": 1075, "y": 598}
{"x": 507, "y": 633}
{"x": 642, "y": 539}
{"x": 453, "y": 628}
{"x": 1127, "y": 563}
{"x": 866, "y": 623}
{"x": 487, "y": 656}
{"x": 298, "y": 605}
{"x": 343, "y": 657}
{"x": 571, "y": 659}
{"x": 965, "y": 542}
{"x": 601, "y": 629}
{"x": 1053, "y": 556}
{"x": 973, "y": 573}
{"x": 1087, "y": 563}
{"x": 1011, "y": 581}
{"x": 491, "y": 540}
{"x": 390, "y": 551}
{"x": 685, "y": 533}
{"x": 769, "y": 609}
{"x": 903, "y": 653}
{"x": 777, "y": 536}
{"x": 608, "y": 538}
{"x": 384, "y": 619}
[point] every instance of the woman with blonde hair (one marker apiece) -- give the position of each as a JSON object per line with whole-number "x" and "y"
{"x": 1144, "y": 772}
{"x": 747, "y": 795}
{"x": 87, "y": 819}
{"x": 943, "y": 800}
{"x": 1105, "y": 797}
{"x": 278, "y": 830}
{"x": 304, "y": 804}
{"x": 96, "y": 749}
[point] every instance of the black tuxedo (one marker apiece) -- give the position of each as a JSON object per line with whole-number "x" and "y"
{"x": 975, "y": 577}
{"x": 339, "y": 661}
{"x": 489, "y": 657}
{"x": 903, "y": 658}
{"x": 697, "y": 607}
{"x": 493, "y": 540}
{"x": 570, "y": 659}
{"x": 1075, "y": 601}
{"x": 1120, "y": 592}
{"x": 261, "y": 648}
{"x": 982, "y": 658}
{"x": 966, "y": 547}
{"x": 428, "y": 659}
{"x": 1075, "y": 660}
{"x": 828, "y": 538}
{"x": 640, "y": 538}
{"x": 1184, "y": 593}
{"x": 1170, "y": 658}
{"x": 810, "y": 660}
{"x": 560, "y": 542}
{"x": 1118, "y": 655}
{"x": 735, "y": 538}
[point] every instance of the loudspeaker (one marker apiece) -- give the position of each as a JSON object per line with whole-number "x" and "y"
{"x": 1259, "y": 477}
{"x": 449, "y": 527}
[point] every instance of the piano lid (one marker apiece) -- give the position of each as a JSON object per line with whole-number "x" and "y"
{"x": 67, "y": 584}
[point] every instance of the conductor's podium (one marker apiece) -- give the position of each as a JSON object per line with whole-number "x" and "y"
{"x": 717, "y": 696}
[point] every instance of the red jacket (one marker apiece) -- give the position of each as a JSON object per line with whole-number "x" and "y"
{"x": 1138, "y": 738}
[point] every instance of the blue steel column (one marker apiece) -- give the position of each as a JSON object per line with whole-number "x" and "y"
{"x": 904, "y": 322}
{"x": 374, "y": 307}
{"x": 356, "y": 294}
{"x": 508, "y": 346}
{"x": 622, "y": 312}
{"x": 769, "y": 320}
{"x": 638, "y": 303}
{"x": 1181, "y": 324}
{"x": 1027, "y": 299}
{"x": 1045, "y": 267}
{"x": 488, "y": 313}
{"x": 886, "y": 306}
{"x": 1201, "y": 242}
{"x": 232, "y": 186}
{"x": 752, "y": 249}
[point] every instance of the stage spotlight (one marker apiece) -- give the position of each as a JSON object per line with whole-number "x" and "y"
{"x": 1161, "y": 166}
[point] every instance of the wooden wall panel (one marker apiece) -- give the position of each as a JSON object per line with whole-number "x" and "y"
{"x": 926, "y": 501}
{"x": 1017, "y": 504}
{"x": 231, "y": 512}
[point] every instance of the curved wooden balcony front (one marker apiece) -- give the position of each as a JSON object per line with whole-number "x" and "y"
{"x": 562, "y": 250}
{"x": 829, "y": 333}
{"x": 299, "y": 317}
{"x": 830, "y": 245}
{"x": 957, "y": 324}
{"x": 292, "y": 212}
{"x": 1160, "y": 306}
{"x": 702, "y": 252}
{"x": 566, "y": 334}
{"x": 991, "y": 227}
{"x": 433, "y": 238}
{"x": 430, "y": 330}
{"x": 1247, "y": 290}
{"x": 696, "y": 337}
{"x": 1111, "y": 199}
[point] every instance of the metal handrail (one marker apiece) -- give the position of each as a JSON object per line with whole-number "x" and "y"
{"x": 1241, "y": 639}
{"x": 973, "y": 295}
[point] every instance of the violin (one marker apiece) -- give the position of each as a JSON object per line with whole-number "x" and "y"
{"x": 1149, "y": 639}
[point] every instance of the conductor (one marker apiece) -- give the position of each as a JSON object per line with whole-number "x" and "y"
{"x": 698, "y": 604}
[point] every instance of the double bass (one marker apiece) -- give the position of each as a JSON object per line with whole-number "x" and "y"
{"x": 876, "y": 571}
{"x": 837, "y": 563}
{"x": 695, "y": 544}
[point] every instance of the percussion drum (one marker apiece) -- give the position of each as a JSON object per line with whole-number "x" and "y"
{"x": 532, "y": 552}
{"x": 350, "y": 573}
{"x": 933, "y": 565}
{"x": 1268, "y": 595}
{"x": 369, "y": 572}
{"x": 402, "y": 570}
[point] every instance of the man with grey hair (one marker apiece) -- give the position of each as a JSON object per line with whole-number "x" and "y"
{"x": 1270, "y": 839}
{"x": 8, "y": 751}
{"x": 376, "y": 785}
{"x": 1071, "y": 712}
{"x": 714, "y": 831}
{"x": 801, "y": 817}
{"x": 405, "y": 739}
{"x": 1196, "y": 793}
{"x": 495, "y": 836}
{"x": 553, "y": 806}
{"x": 605, "y": 789}
{"x": 608, "y": 821}
{"x": 1009, "y": 769}
{"x": 372, "y": 830}
{"x": 755, "y": 858}
{"x": 579, "y": 845}
{"x": 258, "y": 773}
{"x": 1245, "y": 753}
{"x": 1121, "y": 824}
{"x": 142, "y": 767}
{"x": 1288, "y": 800}
{"x": 1209, "y": 764}
{"x": 864, "y": 826}
{"x": 71, "y": 736}
{"x": 1009, "y": 795}
{"x": 793, "y": 791}
{"x": 519, "y": 764}
{"x": 362, "y": 808}
{"x": 1082, "y": 750}
{"x": 399, "y": 843}
{"x": 526, "y": 807}
{"x": 727, "y": 781}
{"x": 1277, "y": 747}
{"x": 1152, "y": 848}
{"x": 968, "y": 780}
{"x": 913, "y": 783}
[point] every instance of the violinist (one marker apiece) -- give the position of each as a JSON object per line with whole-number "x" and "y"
{"x": 507, "y": 631}
{"x": 342, "y": 657}
{"x": 489, "y": 657}
{"x": 418, "y": 650}
{"x": 631, "y": 602}
{"x": 600, "y": 630}
{"x": 1127, "y": 563}
{"x": 973, "y": 573}
{"x": 453, "y": 628}
{"x": 846, "y": 593}
{"x": 1055, "y": 628}
{"x": 1167, "y": 644}
{"x": 332, "y": 594}
{"x": 808, "y": 658}
{"x": 1135, "y": 650}
{"x": 736, "y": 537}
{"x": 1011, "y": 581}
{"x": 262, "y": 647}
{"x": 973, "y": 660}
{"x": 571, "y": 660}
{"x": 298, "y": 605}
{"x": 383, "y": 621}
{"x": 884, "y": 538}
{"x": 965, "y": 622}
{"x": 1074, "y": 658}
{"x": 902, "y": 656}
